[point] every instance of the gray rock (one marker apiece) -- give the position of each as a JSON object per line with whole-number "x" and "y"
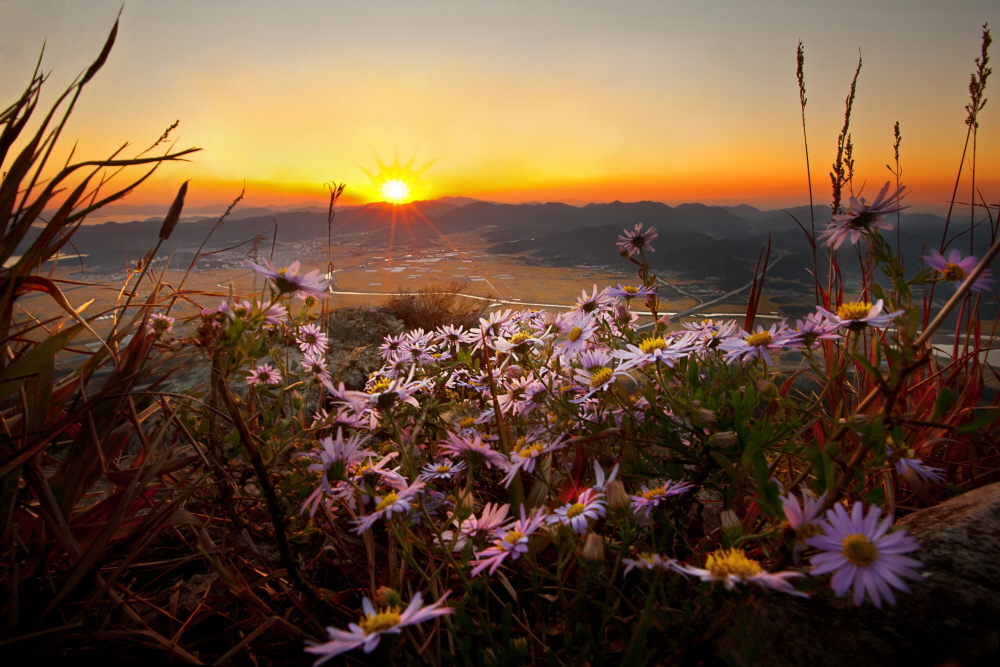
{"x": 953, "y": 617}
{"x": 355, "y": 334}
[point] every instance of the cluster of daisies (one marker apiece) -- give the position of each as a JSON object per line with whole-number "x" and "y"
{"x": 858, "y": 549}
{"x": 544, "y": 376}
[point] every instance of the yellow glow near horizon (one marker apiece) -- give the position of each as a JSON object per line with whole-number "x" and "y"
{"x": 396, "y": 191}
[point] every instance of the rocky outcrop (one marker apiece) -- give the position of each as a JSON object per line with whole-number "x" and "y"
{"x": 951, "y": 618}
{"x": 355, "y": 334}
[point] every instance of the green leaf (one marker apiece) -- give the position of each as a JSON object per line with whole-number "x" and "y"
{"x": 727, "y": 465}
{"x": 34, "y": 361}
{"x": 945, "y": 399}
{"x": 978, "y": 424}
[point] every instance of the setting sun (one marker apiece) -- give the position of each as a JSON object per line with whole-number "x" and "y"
{"x": 396, "y": 191}
{"x": 396, "y": 183}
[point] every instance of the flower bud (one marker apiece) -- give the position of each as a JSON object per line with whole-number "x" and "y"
{"x": 297, "y": 401}
{"x": 386, "y": 597}
{"x": 703, "y": 416}
{"x": 593, "y": 548}
{"x": 465, "y": 504}
{"x": 731, "y": 528}
{"x": 724, "y": 439}
{"x": 514, "y": 372}
{"x": 615, "y": 493}
{"x": 174, "y": 214}
{"x": 765, "y": 387}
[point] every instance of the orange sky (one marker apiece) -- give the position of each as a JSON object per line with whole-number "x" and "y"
{"x": 518, "y": 101}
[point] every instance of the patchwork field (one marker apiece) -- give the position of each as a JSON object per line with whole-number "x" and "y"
{"x": 365, "y": 277}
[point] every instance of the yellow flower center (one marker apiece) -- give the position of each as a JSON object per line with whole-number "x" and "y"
{"x": 808, "y": 530}
{"x": 574, "y": 334}
{"x": 387, "y": 501}
{"x": 725, "y": 562}
{"x": 654, "y": 493}
{"x": 575, "y": 510}
{"x": 651, "y": 344}
{"x": 855, "y": 310}
{"x": 513, "y": 536}
{"x": 530, "y": 450}
{"x": 380, "y": 622}
{"x": 519, "y": 443}
{"x": 519, "y": 338}
{"x": 600, "y": 377}
{"x": 437, "y": 355}
{"x": 468, "y": 422}
{"x": 380, "y": 385}
{"x": 859, "y": 551}
{"x": 953, "y": 272}
{"x": 760, "y": 339}
{"x": 646, "y": 557}
{"x": 443, "y": 468}
{"x": 630, "y": 289}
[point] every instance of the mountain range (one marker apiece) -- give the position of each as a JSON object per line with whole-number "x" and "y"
{"x": 695, "y": 240}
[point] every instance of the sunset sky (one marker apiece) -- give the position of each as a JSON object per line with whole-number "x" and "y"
{"x": 578, "y": 101}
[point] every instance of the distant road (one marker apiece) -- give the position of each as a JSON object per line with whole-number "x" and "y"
{"x": 701, "y": 306}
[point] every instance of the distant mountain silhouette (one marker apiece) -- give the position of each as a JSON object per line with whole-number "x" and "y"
{"x": 694, "y": 239}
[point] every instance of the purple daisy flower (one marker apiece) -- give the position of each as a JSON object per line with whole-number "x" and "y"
{"x": 460, "y": 445}
{"x": 666, "y": 349}
{"x": 856, "y": 315}
{"x": 631, "y": 291}
{"x": 579, "y": 328}
{"x": 526, "y": 452}
{"x": 954, "y": 268}
{"x": 394, "y": 502}
{"x": 443, "y": 469}
{"x": 908, "y": 462}
{"x": 731, "y": 567}
{"x": 597, "y": 301}
{"x": 802, "y": 518}
{"x": 160, "y": 325}
{"x": 312, "y": 340}
{"x": 757, "y": 344}
{"x": 589, "y": 505}
{"x": 340, "y": 452}
{"x": 369, "y": 631}
{"x": 816, "y": 328}
{"x": 476, "y": 527}
{"x": 288, "y": 280}
{"x": 315, "y": 364}
{"x": 649, "y": 498}
{"x": 455, "y": 336}
{"x": 264, "y": 374}
{"x": 649, "y": 561}
{"x": 511, "y": 541}
{"x": 632, "y": 242}
{"x": 275, "y": 313}
{"x": 862, "y": 216}
{"x": 859, "y": 550}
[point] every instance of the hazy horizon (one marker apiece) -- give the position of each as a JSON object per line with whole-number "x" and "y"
{"x": 575, "y": 102}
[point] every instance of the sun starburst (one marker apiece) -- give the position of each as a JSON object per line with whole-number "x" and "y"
{"x": 398, "y": 183}
{"x": 396, "y": 191}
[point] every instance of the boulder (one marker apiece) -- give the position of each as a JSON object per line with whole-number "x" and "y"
{"x": 951, "y": 618}
{"x": 355, "y": 334}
